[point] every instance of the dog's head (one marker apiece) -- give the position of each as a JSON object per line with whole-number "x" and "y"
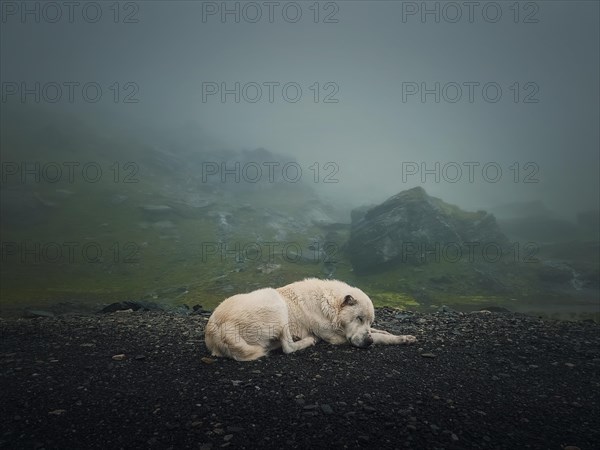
{"x": 356, "y": 315}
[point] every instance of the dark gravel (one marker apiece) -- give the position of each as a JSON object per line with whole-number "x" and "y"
{"x": 480, "y": 380}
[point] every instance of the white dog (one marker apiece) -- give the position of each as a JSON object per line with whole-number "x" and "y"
{"x": 247, "y": 326}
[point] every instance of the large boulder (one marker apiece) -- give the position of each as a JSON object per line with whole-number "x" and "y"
{"x": 414, "y": 228}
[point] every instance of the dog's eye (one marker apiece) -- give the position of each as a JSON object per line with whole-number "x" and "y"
{"x": 360, "y": 319}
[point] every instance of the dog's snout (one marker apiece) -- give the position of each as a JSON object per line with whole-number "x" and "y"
{"x": 362, "y": 343}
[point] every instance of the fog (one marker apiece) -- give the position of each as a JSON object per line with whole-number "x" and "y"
{"x": 370, "y": 62}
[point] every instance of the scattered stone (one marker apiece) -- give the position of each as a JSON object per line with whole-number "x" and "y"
{"x": 327, "y": 410}
{"x": 447, "y": 310}
{"x": 495, "y": 309}
{"x": 133, "y": 305}
{"x": 350, "y": 394}
{"x": 34, "y": 313}
{"x": 310, "y": 407}
{"x": 268, "y": 268}
{"x": 119, "y": 357}
{"x": 428, "y": 355}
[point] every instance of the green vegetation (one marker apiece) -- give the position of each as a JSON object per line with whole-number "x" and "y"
{"x": 201, "y": 253}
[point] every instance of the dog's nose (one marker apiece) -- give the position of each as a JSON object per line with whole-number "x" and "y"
{"x": 368, "y": 341}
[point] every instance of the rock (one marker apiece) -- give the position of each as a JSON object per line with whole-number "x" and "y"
{"x": 494, "y": 309}
{"x": 33, "y": 313}
{"x": 134, "y": 305}
{"x": 119, "y": 357}
{"x": 358, "y": 213}
{"x": 268, "y": 268}
{"x": 412, "y": 227}
{"x": 327, "y": 410}
{"x": 57, "y": 412}
{"x": 428, "y": 355}
{"x": 206, "y": 360}
{"x": 447, "y": 310}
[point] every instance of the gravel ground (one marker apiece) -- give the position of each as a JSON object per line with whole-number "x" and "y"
{"x": 145, "y": 380}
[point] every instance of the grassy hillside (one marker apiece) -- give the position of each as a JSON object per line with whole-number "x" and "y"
{"x": 151, "y": 227}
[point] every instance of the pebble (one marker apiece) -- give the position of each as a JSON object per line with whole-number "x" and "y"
{"x": 327, "y": 410}
{"x": 428, "y": 355}
{"x": 119, "y": 357}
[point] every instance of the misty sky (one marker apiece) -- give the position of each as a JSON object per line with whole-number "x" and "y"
{"x": 374, "y": 54}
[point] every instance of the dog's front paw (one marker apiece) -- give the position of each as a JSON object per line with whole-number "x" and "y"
{"x": 407, "y": 339}
{"x": 315, "y": 339}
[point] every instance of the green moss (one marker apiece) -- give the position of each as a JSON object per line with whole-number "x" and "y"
{"x": 394, "y": 300}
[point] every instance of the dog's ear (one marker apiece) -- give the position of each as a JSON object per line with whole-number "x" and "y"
{"x": 349, "y": 301}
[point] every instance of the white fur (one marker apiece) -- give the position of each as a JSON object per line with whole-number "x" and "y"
{"x": 247, "y": 326}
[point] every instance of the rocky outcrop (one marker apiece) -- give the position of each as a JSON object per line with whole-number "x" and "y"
{"x": 412, "y": 227}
